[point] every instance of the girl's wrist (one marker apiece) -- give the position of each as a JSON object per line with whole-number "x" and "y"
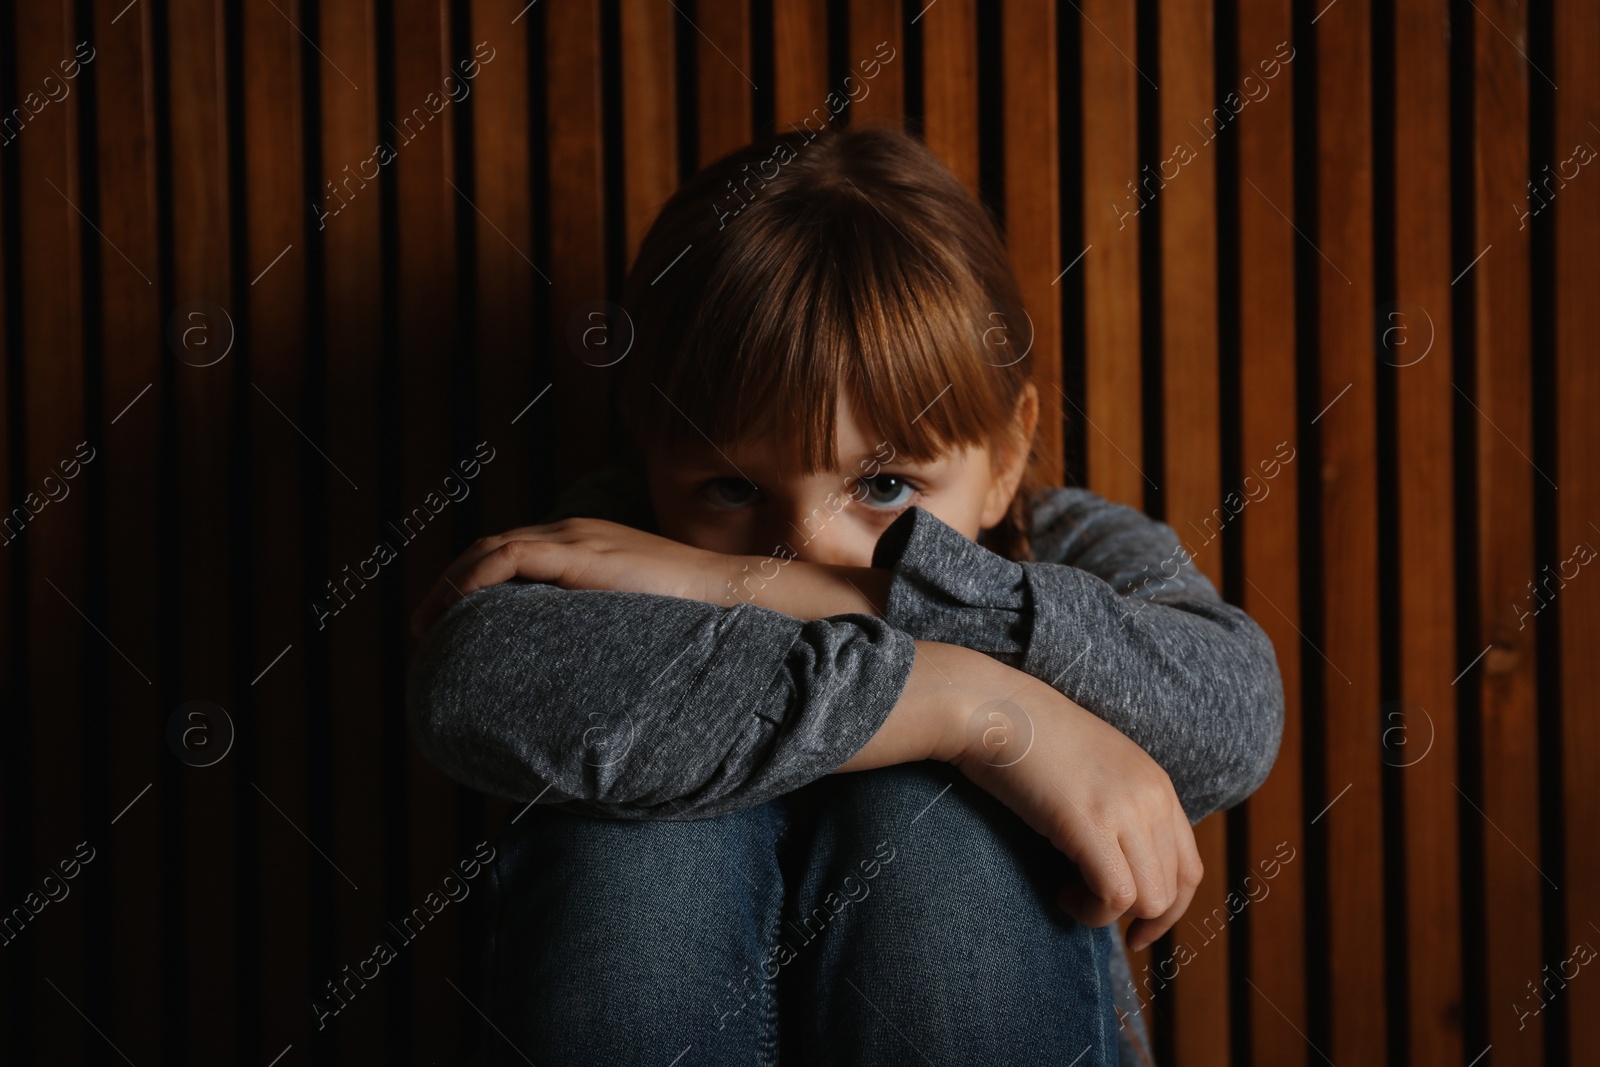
{"x": 803, "y": 590}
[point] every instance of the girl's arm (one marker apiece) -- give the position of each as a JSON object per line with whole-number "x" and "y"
{"x": 1114, "y": 615}
{"x": 650, "y": 706}
{"x": 637, "y": 705}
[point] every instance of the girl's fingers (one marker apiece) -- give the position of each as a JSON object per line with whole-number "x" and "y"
{"x": 1155, "y": 883}
{"x": 1107, "y": 889}
{"x": 511, "y": 559}
{"x": 1144, "y": 932}
{"x": 1190, "y": 871}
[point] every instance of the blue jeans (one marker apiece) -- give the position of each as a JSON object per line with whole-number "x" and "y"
{"x": 892, "y": 916}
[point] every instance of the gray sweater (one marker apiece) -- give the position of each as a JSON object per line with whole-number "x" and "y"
{"x": 638, "y": 706}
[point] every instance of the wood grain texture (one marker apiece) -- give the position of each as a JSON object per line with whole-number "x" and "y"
{"x": 950, "y": 86}
{"x": 351, "y": 249}
{"x": 1195, "y": 506}
{"x": 273, "y": 720}
{"x": 1576, "y": 225}
{"x": 1501, "y": 405}
{"x": 209, "y": 438}
{"x": 726, "y": 114}
{"x": 1276, "y": 999}
{"x": 51, "y": 308}
{"x": 650, "y": 113}
{"x": 799, "y": 59}
{"x": 1033, "y": 206}
{"x": 135, "y": 361}
{"x": 872, "y": 24}
{"x": 577, "y": 226}
{"x": 1346, "y": 404}
{"x": 1416, "y": 339}
{"x": 427, "y": 309}
{"x": 1111, "y": 200}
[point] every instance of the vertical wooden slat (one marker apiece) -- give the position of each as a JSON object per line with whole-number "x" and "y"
{"x": 577, "y": 226}
{"x": 14, "y": 846}
{"x": 1416, "y": 338}
{"x": 202, "y": 271}
{"x": 1194, "y": 493}
{"x": 351, "y": 247}
{"x": 275, "y": 726}
{"x": 1350, "y": 683}
{"x": 128, "y": 443}
{"x": 1502, "y": 422}
{"x": 800, "y": 61}
{"x": 871, "y": 24}
{"x": 506, "y": 274}
{"x": 1269, "y": 530}
{"x": 649, "y": 104}
{"x": 724, "y": 80}
{"x": 424, "y": 171}
{"x": 1577, "y": 235}
{"x": 52, "y": 392}
{"x": 1115, "y": 462}
{"x": 1033, "y": 205}
{"x": 950, "y": 86}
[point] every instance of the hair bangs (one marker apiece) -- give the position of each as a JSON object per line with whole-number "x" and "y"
{"x": 852, "y": 304}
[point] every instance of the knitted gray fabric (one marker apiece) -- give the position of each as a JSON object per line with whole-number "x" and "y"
{"x": 637, "y": 706}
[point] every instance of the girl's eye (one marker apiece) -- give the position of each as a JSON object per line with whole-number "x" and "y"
{"x": 895, "y": 491}
{"x": 729, "y": 492}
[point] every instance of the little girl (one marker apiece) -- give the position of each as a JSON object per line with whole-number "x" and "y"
{"x": 838, "y": 736}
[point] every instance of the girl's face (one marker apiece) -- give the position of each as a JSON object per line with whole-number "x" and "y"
{"x": 733, "y": 500}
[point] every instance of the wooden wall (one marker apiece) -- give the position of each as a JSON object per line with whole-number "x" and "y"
{"x": 1245, "y": 231}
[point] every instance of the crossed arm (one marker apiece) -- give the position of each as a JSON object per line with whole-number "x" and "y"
{"x": 620, "y": 681}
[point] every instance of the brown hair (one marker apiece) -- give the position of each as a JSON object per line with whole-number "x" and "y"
{"x": 807, "y": 262}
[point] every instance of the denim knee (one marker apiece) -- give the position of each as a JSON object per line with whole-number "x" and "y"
{"x": 954, "y": 946}
{"x": 629, "y": 941}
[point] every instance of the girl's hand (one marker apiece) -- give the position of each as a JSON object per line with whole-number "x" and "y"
{"x": 1074, "y": 778}
{"x": 1098, "y": 797}
{"x": 580, "y": 553}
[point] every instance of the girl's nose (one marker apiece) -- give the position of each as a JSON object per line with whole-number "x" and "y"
{"x": 819, "y": 536}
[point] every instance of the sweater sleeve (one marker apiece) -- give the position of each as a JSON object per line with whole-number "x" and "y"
{"x": 1114, "y": 615}
{"x": 638, "y": 706}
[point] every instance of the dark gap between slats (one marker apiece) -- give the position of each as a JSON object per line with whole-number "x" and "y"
{"x": 19, "y": 992}
{"x": 1074, "y": 341}
{"x": 1548, "y": 551}
{"x": 763, "y": 69}
{"x": 465, "y": 431}
{"x": 1147, "y": 48}
{"x": 684, "y": 41}
{"x": 991, "y": 119}
{"x": 1463, "y": 238}
{"x": 839, "y": 53}
{"x": 243, "y": 568}
{"x": 1230, "y": 416}
{"x": 174, "y": 895}
{"x": 95, "y": 716}
{"x": 1313, "y": 678}
{"x": 321, "y": 935}
{"x": 916, "y": 65}
{"x": 539, "y": 434}
{"x": 615, "y": 167}
{"x": 1392, "y": 798}
{"x": 613, "y": 154}
{"x": 398, "y": 1020}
